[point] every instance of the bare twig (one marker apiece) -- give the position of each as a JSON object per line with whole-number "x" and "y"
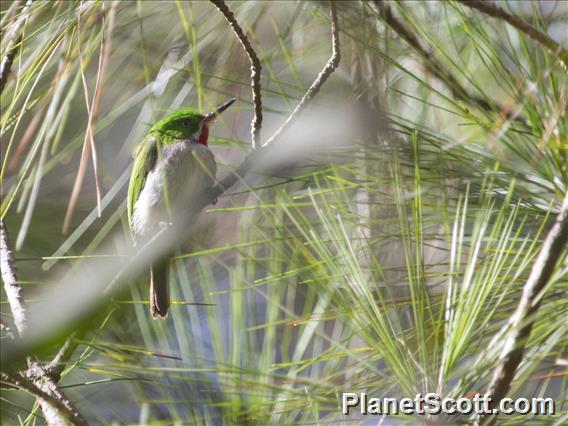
{"x": 14, "y": 39}
{"x": 436, "y": 67}
{"x": 62, "y": 415}
{"x": 47, "y": 384}
{"x": 28, "y": 386}
{"x": 322, "y": 77}
{"x": 521, "y": 323}
{"x": 43, "y": 385}
{"x": 13, "y": 290}
{"x": 57, "y": 364}
{"x": 255, "y": 68}
{"x": 489, "y": 8}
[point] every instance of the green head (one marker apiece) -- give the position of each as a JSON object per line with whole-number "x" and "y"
{"x": 187, "y": 124}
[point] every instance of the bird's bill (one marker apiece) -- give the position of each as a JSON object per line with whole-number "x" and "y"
{"x": 210, "y": 116}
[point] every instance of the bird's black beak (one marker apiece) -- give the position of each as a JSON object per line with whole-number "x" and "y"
{"x": 210, "y": 116}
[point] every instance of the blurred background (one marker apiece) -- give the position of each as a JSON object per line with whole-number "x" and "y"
{"x": 381, "y": 245}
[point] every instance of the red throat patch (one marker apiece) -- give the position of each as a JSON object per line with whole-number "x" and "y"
{"x": 204, "y": 135}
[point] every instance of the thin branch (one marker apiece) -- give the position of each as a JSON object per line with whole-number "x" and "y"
{"x": 491, "y": 9}
{"x": 56, "y": 366}
{"x": 255, "y": 68}
{"x": 14, "y": 40}
{"x": 436, "y": 67}
{"x": 11, "y": 287}
{"x": 60, "y": 412}
{"x": 521, "y": 323}
{"x": 331, "y": 65}
{"x": 47, "y": 382}
{"x": 322, "y": 77}
{"x": 44, "y": 379}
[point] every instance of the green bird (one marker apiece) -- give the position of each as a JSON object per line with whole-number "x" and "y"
{"x": 172, "y": 164}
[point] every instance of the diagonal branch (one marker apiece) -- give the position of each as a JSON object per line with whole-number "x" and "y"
{"x": 491, "y": 9}
{"x": 255, "y": 68}
{"x": 436, "y": 67}
{"x": 58, "y": 362}
{"x": 14, "y": 40}
{"x": 521, "y": 323}
{"x": 56, "y": 408}
{"x": 46, "y": 382}
{"x": 61, "y": 413}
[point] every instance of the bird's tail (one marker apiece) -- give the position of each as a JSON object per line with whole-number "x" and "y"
{"x": 159, "y": 290}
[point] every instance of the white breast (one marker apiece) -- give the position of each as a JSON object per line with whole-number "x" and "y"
{"x": 185, "y": 169}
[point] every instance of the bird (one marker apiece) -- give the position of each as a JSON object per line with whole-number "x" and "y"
{"x": 172, "y": 164}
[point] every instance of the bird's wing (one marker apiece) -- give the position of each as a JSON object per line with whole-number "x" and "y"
{"x": 144, "y": 162}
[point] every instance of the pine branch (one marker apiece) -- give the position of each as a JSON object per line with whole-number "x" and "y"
{"x": 56, "y": 366}
{"x": 315, "y": 87}
{"x": 255, "y": 68}
{"x": 491, "y": 9}
{"x": 435, "y": 66}
{"x": 11, "y": 287}
{"x": 521, "y": 323}
{"x": 14, "y": 38}
{"x": 59, "y": 410}
{"x": 56, "y": 408}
